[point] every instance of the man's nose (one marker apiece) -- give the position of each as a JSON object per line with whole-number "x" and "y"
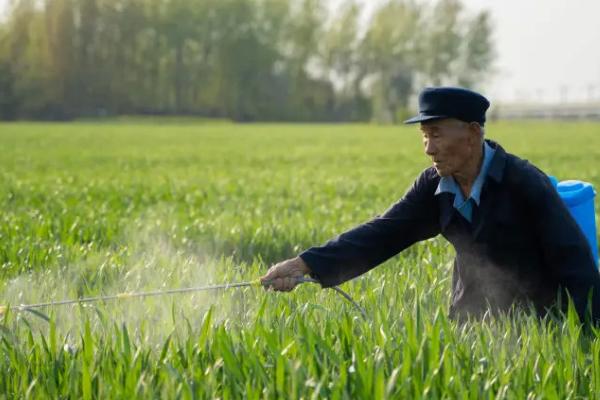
{"x": 430, "y": 148}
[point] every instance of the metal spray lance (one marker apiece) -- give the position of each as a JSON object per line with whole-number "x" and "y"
{"x": 130, "y": 295}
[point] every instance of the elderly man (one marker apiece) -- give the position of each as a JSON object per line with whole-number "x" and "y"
{"x": 516, "y": 242}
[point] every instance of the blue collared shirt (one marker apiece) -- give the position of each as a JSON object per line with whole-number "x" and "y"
{"x": 448, "y": 185}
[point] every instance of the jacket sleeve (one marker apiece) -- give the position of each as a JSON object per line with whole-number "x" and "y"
{"x": 566, "y": 251}
{"x": 413, "y": 218}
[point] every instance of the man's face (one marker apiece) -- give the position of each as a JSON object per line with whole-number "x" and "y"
{"x": 450, "y": 144}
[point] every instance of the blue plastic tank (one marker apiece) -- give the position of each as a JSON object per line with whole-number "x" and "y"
{"x": 579, "y": 198}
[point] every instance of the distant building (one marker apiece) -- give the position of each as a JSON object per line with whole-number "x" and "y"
{"x": 564, "y": 111}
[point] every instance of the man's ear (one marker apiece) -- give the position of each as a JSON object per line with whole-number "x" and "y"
{"x": 475, "y": 131}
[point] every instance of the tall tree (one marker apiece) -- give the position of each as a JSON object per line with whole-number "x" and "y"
{"x": 60, "y": 36}
{"x": 340, "y": 48}
{"x": 9, "y": 102}
{"x": 442, "y": 41}
{"x": 29, "y": 60}
{"x": 477, "y": 51}
{"x": 390, "y": 47}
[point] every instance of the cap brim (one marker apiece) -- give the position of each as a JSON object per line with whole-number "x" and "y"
{"x": 423, "y": 118}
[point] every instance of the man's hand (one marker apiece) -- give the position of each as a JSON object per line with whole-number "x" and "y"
{"x": 284, "y": 276}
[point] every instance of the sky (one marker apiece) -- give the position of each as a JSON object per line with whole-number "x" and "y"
{"x": 547, "y": 50}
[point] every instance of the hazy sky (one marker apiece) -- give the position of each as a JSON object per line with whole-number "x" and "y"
{"x": 547, "y": 50}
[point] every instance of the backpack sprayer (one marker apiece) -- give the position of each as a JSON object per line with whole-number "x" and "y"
{"x": 130, "y": 295}
{"x": 579, "y": 199}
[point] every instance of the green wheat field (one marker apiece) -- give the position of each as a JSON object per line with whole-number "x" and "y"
{"x": 94, "y": 208}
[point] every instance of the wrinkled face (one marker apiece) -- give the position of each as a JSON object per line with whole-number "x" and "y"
{"x": 450, "y": 143}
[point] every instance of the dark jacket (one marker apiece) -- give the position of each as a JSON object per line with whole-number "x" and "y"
{"x": 522, "y": 248}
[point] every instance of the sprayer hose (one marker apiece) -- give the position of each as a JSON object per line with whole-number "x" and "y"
{"x": 126, "y": 295}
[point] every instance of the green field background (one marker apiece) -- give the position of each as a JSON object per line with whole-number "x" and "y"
{"x": 101, "y": 207}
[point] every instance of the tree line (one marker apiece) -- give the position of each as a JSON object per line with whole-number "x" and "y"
{"x": 246, "y": 60}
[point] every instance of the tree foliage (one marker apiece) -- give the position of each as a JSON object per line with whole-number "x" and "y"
{"x": 240, "y": 59}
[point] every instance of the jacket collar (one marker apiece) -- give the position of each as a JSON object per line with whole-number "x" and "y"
{"x": 496, "y": 170}
{"x": 449, "y": 185}
{"x": 496, "y": 173}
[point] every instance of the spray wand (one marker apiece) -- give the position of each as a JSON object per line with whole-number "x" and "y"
{"x": 129, "y": 295}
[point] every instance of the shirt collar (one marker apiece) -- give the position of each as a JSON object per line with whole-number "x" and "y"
{"x": 447, "y": 184}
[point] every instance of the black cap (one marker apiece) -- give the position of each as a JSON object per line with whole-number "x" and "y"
{"x": 450, "y": 102}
